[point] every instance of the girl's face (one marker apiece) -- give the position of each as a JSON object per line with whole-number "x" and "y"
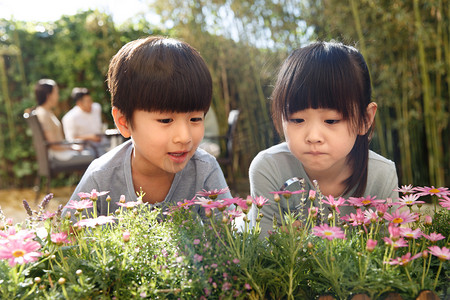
{"x": 320, "y": 139}
{"x": 163, "y": 142}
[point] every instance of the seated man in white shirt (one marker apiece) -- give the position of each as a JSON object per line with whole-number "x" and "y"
{"x": 84, "y": 121}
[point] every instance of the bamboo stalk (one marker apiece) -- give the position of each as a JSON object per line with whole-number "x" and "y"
{"x": 7, "y": 99}
{"x": 432, "y": 138}
{"x": 355, "y": 13}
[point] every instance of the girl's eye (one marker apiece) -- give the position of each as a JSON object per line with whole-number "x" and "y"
{"x": 331, "y": 121}
{"x": 296, "y": 121}
{"x": 165, "y": 121}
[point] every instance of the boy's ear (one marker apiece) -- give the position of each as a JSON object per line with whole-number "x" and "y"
{"x": 371, "y": 111}
{"x": 121, "y": 122}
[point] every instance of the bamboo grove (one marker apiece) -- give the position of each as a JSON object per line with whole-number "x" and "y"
{"x": 406, "y": 44}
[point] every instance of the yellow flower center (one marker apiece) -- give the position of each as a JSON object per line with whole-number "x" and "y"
{"x": 434, "y": 191}
{"x": 18, "y": 253}
{"x": 328, "y": 233}
{"x": 397, "y": 220}
{"x": 366, "y": 202}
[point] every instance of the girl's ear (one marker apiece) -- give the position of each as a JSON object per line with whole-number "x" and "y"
{"x": 371, "y": 111}
{"x": 121, "y": 122}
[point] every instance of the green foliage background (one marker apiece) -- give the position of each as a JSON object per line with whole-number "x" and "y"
{"x": 406, "y": 44}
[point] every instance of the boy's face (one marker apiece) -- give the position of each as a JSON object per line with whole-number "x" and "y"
{"x": 164, "y": 142}
{"x": 320, "y": 138}
{"x": 85, "y": 103}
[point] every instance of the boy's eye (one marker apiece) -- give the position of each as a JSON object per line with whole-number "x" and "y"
{"x": 296, "y": 121}
{"x": 331, "y": 121}
{"x": 165, "y": 121}
{"x": 199, "y": 119}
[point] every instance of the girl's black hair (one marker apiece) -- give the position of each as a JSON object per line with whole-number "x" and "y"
{"x": 333, "y": 76}
{"x": 159, "y": 74}
{"x": 42, "y": 89}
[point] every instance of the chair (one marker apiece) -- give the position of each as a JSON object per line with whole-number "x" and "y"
{"x": 47, "y": 167}
{"x": 227, "y": 159}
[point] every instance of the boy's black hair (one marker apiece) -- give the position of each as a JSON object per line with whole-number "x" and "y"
{"x": 334, "y": 76}
{"x": 42, "y": 89}
{"x": 78, "y": 93}
{"x": 159, "y": 74}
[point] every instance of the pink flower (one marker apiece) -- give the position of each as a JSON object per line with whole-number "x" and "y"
{"x": 101, "y": 220}
{"x": 398, "y": 217}
{"x": 405, "y": 259}
{"x": 355, "y": 219}
{"x": 409, "y": 200}
{"x": 432, "y": 191}
{"x": 80, "y": 205}
{"x": 371, "y": 244}
{"x": 20, "y": 251}
{"x": 394, "y": 232}
{"x": 93, "y": 195}
{"x": 287, "y": 194}
{"x": 445, "y": 202}
{"x": 409, "y": 233}
{"x": 213, "y": 193}
{"x": 198, "y": 258}
{"x": 247, "y": 286}
{"x": 208, "y": 203}
{"x": 129, "y": 204}
{"x": 395, "y": 243}
{"x": 12, "y": 234}
{"x": 370, "y": 216}
{"x": 334, "y": 203}
{"x": 433, "y": 237}
{"x": 405, "y": 189}
{"x": 442, "y": 253}
{"x": 196, "y": 241}
{"x": 59, "y": 238}
{"x": 186, "y": 203}
{"x": 428, "y": 221}
{"x": 312, "y": 195}
{"x": 328, "y": 232}
{"x": 48, "y": 215}
{"x": 260, "y": 201}
{"x": 364, "y": 201}
{"x": 233, "y": 214}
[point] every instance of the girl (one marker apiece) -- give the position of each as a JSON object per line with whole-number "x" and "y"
{"x": 60, "y": 152}
{"x": 322, "y": 105}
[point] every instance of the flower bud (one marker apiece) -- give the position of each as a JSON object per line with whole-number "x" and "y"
{"x": 62, "y": 281}
{"x": 126, "y": 236}
{"x": 68, "y": 215}
{"x": 122, "y": 199}
{"x": 208, "y": 212}
{"x": 249, "y": 201}
{"x": 224, "y": 219}
{"x": 428, "y": 221}
{"x": 276, "y": 198}
{"x": 371, "y": 244}
{"x": 310, "y": 245}
{"x": 37, "y": 280}
{"x": 79, "y": 272}
{"x": 108, "y": 198}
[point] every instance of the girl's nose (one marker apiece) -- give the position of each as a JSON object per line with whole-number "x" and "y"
{"x": 314, "y": 136}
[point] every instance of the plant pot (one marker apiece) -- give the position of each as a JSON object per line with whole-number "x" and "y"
{"x": 427, "y": 295}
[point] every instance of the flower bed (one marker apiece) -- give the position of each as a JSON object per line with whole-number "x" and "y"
{"x": 138, "y": 252}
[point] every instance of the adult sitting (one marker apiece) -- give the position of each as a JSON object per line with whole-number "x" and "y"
{"x": 84, "y": 120}
{"x": 47, "y": 96}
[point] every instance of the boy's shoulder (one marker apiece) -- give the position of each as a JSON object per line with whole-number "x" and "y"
{"x": 112, "y": 159}
{"x": 202, "y": 157}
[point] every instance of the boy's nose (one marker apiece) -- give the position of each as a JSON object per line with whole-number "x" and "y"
{"x": 182, "y": 134}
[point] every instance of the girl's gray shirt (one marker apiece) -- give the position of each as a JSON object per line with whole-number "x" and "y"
{"x": 112, "y": 172}
{"x": 271, "y": 168}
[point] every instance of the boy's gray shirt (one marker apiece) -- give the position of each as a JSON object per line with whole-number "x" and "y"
{"x": 112, "y": 172}
{"x": 271, "y": 168}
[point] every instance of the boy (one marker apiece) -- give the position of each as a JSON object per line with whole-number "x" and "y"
{"x": 160, "y": 91}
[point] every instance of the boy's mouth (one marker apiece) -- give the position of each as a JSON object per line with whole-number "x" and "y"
{"x": 178, "y": 156}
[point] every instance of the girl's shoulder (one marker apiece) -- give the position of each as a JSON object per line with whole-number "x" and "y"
{"x": 377, "y": 160}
